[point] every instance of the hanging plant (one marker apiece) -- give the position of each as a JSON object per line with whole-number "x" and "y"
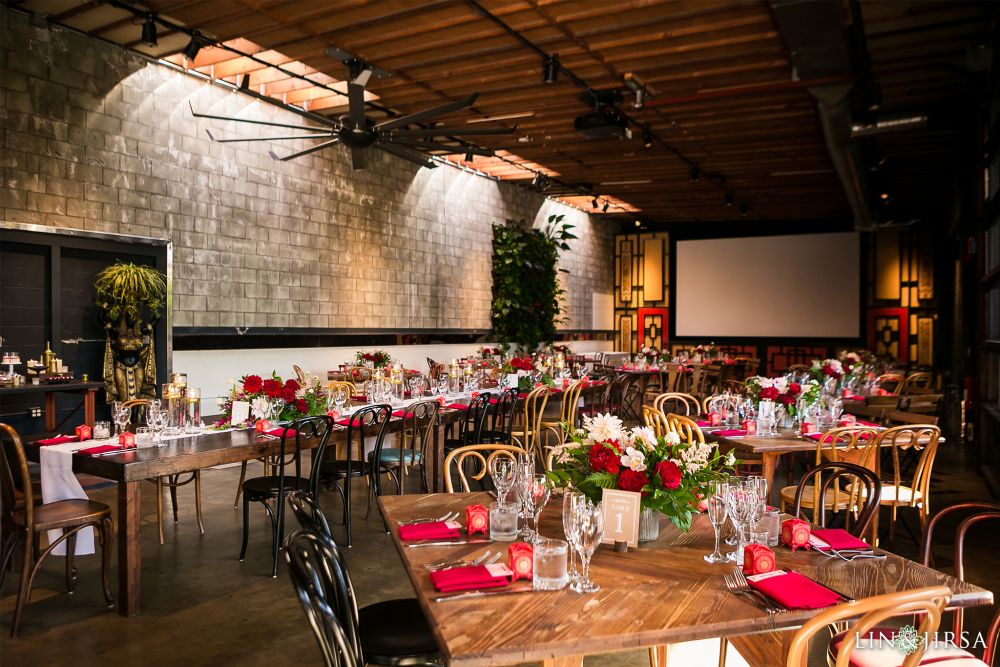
{"x": 526, "y": 293}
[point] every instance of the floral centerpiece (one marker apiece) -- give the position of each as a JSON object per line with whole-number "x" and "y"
{"x": 378, "y": 358}
{"x": 671, "y": 475}
{"x": 292, "y": 399}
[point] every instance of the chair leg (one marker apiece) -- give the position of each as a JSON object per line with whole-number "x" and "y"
{"x": 24, "y": 590}
{"x": 197, "y": 500}
{"x": 70, "y": 569}
{"x": 106, "y": 531}
{"x": 246, "y": 528}
{"x": 173, "y": 494}
{"x": 159, "y": 506}
{"x": 239, "y": 486}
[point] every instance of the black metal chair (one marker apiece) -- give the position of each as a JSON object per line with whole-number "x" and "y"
{"x": 501, "y": 419}
{"x": 419, "y": 421}
{"x": 861, "y": 494}
{"x": 276, "y": 487}
{"x": 370, "y": 420}
{"x": 471, "y": 428}
{"x": 392, "y": 632}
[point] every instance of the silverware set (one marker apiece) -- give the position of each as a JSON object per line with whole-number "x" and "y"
{"x": 737, "y": 584}
{"x": 486, "y": 558}
{"x": 444, "y": 517}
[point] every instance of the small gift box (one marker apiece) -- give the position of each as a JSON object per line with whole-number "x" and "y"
{"x": 757, "y": 559}
{"x": 83, "y": 432}
{"x": 477, "y": 519}
{"x": 262, "y": 425}
{"x": 519, "y": 558}
{"x": 750, "y": 426}
{"x": 795, "y": 534}
{"x": 126, "y": 439}
{"x": 715, "y": 418}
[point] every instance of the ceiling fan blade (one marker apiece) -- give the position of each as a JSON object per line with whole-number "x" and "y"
{"x": 292, "y": 136}
{"x": 356, "y": 102}
{"x": 426, "y": 114}
{"x": 453, "y": 132}
{"x": 255, "y": 122}
{"x": 357, "y": 158}
{"x": 311, "y": 149}
{"x": 410, "y": 154}
{"x": 436, "y": 146}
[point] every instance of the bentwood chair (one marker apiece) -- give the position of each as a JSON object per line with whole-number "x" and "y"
{"x": 22, "y": 521}
{"x": 501, "y": 419}
{"x": 678, "y": 403}
{"x": 392, "y": 632}
{"x": 370, "y": 421}
{"x": 419, "y": 422}
{"x": 922, "y": 606}
{"x": 174, "y": 482}
{"x": 274, "y": 488}
{"x": 567, "y": 414}
{"x": 529, "y": 435}
{"x": 473, "y": 461}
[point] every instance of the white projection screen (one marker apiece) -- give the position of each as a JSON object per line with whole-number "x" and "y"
{"x": 796, "y": 286}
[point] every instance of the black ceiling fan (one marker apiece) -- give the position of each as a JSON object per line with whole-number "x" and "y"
{"x": 359, "y": 132}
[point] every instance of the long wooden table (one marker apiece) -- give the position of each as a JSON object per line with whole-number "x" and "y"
{"x": 131, "y": 467}
{"x": 661, "y": 594}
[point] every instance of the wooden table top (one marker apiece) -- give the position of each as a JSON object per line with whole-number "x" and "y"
{"x": 662, "y": 593}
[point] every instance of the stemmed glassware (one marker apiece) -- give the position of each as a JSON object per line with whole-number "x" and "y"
{"x": 537, "y": 492}
{"x": 503, "y": 472}
{"x": 717, "y": 513}
{"x": 571, "y": 502}
{"x": 588, "y": 529}
{"x": 121, "y": 414}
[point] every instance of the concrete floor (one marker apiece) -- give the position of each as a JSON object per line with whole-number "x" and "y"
{"x": 201, "y": 606}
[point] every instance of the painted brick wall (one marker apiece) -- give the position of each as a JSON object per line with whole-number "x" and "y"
{"x": 96, "y": 138}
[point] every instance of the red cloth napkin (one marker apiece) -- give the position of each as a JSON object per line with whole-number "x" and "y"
{"x": 345, "y": 421}
{"x": 100, "y": 449}
{"x": 400, "y": 413}
{"x": 793, "y": 590}
{"x": 431, "y": 530}
{"x": 361, "y": 398}
{"x": 838, "y": 538}
{"x": 465, "y": 579}
{"x": 458, "y": 406}
{"x": 58, "y": 440}
{"x": 276, "y": 432}
{"x": 732, "y": 431}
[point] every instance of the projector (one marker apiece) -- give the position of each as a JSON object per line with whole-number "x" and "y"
{"x": 602, "y": 124}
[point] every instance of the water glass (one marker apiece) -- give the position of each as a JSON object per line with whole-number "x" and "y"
{"x": 548, "y": 562}
{"x": 503, "y": 522}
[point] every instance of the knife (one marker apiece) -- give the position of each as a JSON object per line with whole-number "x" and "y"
{"x": 449, "y": 543}
{"x": 481, "y": 594}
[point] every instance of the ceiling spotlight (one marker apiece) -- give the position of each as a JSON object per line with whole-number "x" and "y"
{"x": 550, "y": 68}
{"x": 695, "y": 174}
{"x": 730, "y": 199}
{"x": 149, "y": 31}
{"x": 192, "y": 49}
{"x": 607, "y": 204}
{"x": 647, "y": 139}
{"x": 593, "y": 203}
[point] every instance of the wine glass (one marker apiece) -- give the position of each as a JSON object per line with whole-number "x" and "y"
{"x": 717, "y": 513}
{"x": 121, "y": 416}
{"x": 588, "y": 529}
{"x": 503, "y": 472}
{"x": 539, "y": 489}
{"x": 571, "y": 502}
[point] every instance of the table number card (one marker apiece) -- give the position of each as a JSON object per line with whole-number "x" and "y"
{"x": 241, "y": 412}
{"x": 621, "y": 516}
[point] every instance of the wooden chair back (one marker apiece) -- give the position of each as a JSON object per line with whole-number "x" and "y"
{"x": 982, "y": 511}
{"x": 480, "y": 455}
{"x": 925, "y": 604}
{"x": 897, "y": 418}
{"x": 677, "y": 403}
{"x": 686, "y": 428}
{"x": 656, "y": 420}
{"x": 865, "y": 491}
{"x": 922, "y": 438}
{"x": 890, "y": 382}
{"x": 918, "y": 380}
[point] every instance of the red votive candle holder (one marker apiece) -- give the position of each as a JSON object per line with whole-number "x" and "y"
{"x": 757, "y": 559}
{"x": 795, "y": 534}
{"x": 519, "y": 559}
{"x": 477, "y": 519}
{"x": 83, "y": 432}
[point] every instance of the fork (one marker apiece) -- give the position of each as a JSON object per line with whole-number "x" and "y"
{"x": 742, "y": 587}
{"x": 478, "y": 560}
{"x": 445, "y": 517}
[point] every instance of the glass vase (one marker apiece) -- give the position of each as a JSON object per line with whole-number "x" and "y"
{"x": 649, "y": 524}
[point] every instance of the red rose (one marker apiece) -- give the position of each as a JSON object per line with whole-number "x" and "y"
{"x": 252, "y": 384}
{"x": 293, "y": 385}
{"x": 288, "y": 395}
{"x": 669, "y": 473}
{"x": 768, "y": 393}
{"x": 272, "y": 387}
{"x": 605, "y": 459}
{"x": 302, "y": 406}
{"x": 632, "y": 480}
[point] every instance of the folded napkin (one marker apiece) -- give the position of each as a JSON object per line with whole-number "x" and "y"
{"x": 401, "y": 413}
{"x": 794, "y": 590}
{"x": 100, "y": 449}
{"x": 58, "y": 440}
{"x": 361, "y": 398}
{"x": 430, "y": 530}
{"x": 276, "y": 432}
{"x": 466, "y": 579}
{"x": 458, "y": 406}
{"x": 837, "y": 538}
{"x": 730, "y": 432}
